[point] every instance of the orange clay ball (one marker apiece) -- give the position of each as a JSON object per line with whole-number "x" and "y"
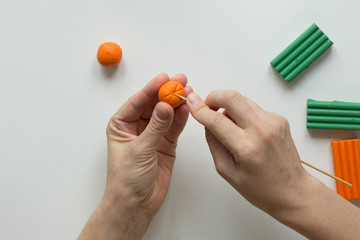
{"x": 109, "y": 54}
{"x": 166, "y": 93}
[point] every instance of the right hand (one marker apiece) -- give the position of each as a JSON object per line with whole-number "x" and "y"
{"x": 253, "y": 151}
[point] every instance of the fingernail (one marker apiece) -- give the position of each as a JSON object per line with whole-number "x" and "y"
{"x": 161, "y": 113}
{"x": 193, "y": 98}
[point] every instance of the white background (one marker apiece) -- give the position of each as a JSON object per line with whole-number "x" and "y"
{"x": 55, "y": 101}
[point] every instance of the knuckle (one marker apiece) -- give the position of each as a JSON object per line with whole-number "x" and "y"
{"x": 232, "y": 95}
{"x": 113, "y": 125}
{"x": 248, "y": 152}
{"x": 155, "y": 126}
{"x": 167, "y": 148}
{"x": 108, "y": 130}
{"x": 270, "y": 131}
{"x": 282, "y": 124}
{"x": 108, "y": 126}
{"x": 220, "y": 168}
{"x": 208, "y": 135}
{"x": 111, "y": 121}
{"x": 211, "y": 94}
{"x": 200, "y": 112}
{"x": 252, "y": 156}
{"x": 266, "y": 132}
{"x": 215, "y": 120}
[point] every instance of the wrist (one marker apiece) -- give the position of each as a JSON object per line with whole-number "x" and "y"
{"x": 297, "y": 210}
{"x": 124, "y": 216}
{"x": 322, "y": 214}
{"x": 319, "y": 213}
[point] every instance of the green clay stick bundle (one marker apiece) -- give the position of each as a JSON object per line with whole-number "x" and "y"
{"x": 300, "y": 54}
{"x": 333, "y": 115}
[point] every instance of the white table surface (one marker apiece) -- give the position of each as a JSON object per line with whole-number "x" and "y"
{"x": 55, "y": 101}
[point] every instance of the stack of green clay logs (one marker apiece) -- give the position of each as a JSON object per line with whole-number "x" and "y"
{"x": 300, "y": 54}
{"x": 333, "y": 115}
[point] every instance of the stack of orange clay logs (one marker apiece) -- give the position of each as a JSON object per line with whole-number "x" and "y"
{"x": 346, "y": 156}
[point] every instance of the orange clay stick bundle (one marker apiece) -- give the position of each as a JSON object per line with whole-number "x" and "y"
{"x": 346, "y": 157}
{"x": 172, "y": 93}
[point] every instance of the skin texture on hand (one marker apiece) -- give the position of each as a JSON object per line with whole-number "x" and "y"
{"x": 142, "y": 138}
{"x": 253, "y": 151}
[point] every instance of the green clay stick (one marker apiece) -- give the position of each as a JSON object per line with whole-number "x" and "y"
{"x": 333, "y": 126}
{"x": 304, "y": 55}
{"x": 333, "y": 105}
{"x": 297, "y": 51}
{"x": 294, "y": 45}
{"x": 331, "y": 119}
{"x": 333, "y": 112}
{"x": 306, "y": 63}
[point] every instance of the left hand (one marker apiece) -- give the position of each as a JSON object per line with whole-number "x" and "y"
{"x": 142, "y": 139}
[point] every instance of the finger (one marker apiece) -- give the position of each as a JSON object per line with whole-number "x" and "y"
{"x": 223, "y": 159}
{"x": 276, "y": 116}
{"x": 254, "y": 106}
{"x": 158, "y": 126}
{"x": 227, "y": 115}
{"x": 267, "y": 116}
{"x": 142, "y": 103}
{"x": 181, "y": 78}
{"x": 259, "y": 110}
{"x": 235, "y": 105}
{"x": 223, "y": 128}
{"x": 180, "y": 118}
{"x": 187, "y": 90}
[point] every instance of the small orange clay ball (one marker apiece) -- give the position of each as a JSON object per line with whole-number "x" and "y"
{"x": 166, "y": 93}
{"x": 109, "y": 54}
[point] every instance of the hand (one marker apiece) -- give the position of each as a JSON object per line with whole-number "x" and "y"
{"x": 142, "y": 138}
{"x": 253, "y": 151}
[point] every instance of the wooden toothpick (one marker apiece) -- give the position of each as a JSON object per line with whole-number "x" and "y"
{"x": 326, "y": 173}
{"x": 179, "y": 96}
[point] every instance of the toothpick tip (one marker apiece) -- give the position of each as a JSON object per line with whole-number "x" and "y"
{"x": 179, "y": 96}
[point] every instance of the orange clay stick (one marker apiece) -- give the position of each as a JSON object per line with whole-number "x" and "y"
{"x": 170, "y": 93}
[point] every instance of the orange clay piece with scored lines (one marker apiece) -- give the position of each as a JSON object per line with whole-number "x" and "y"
{"x": 166, "y": 93}
{"x": 109, "y": 54}
{"x": 346, "y": 156}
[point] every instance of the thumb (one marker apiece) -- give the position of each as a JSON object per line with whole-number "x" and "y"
{"x": 160, "y": 122}
{"x": 224, "y": 129}
{"x": 198, "y": 109}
